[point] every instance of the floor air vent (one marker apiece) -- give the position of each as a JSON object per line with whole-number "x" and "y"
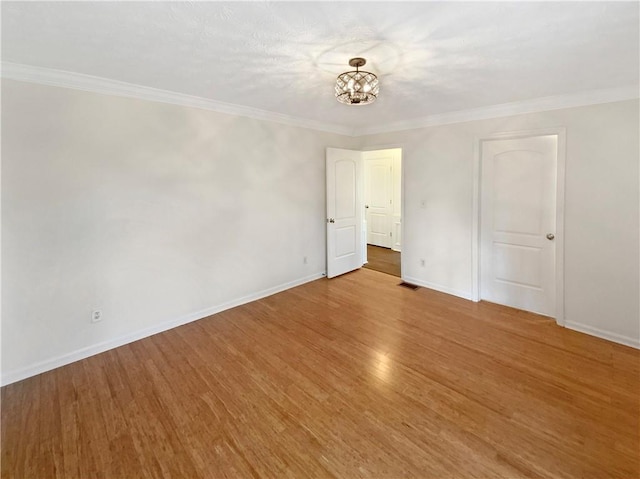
{"x": 408, "y": 285}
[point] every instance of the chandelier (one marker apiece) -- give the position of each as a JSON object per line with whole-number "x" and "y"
{"x": 356, "y": 87}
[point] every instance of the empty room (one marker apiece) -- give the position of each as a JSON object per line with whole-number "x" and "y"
{"x": 320, "y": 240}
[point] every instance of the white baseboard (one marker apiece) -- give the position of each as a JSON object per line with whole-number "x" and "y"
{"x": 616, "y": 338}
{"x": 437, "y": 287}
{"x": 599, "y": 333}
{"x": 53, "y": 363}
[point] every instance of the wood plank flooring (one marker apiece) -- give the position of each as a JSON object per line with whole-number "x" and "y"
{"x": 384, "y": 260}
{"x": 350, "y": 377}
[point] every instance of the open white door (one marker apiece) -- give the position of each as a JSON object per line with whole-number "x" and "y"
{"x": 344, "y": 211}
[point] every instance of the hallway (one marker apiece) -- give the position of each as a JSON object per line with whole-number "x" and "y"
{"x": 384, "y": 260}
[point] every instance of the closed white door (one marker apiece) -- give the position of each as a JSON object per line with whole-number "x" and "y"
{"x": 378, "y": 194}
{"x": 518, "y": 220}
{"x": 344, "y": 211}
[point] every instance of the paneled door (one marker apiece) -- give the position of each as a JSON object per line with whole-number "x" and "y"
{"x": 517, "y": 221}
{"x": 378, "y": 194}
{"x": 344, "y": 211}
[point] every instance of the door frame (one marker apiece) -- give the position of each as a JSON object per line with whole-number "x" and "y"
{"x": 391, "y": 146}
{"x": 561, "y": 134}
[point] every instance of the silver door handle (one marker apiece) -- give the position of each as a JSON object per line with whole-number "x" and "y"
{"x": 550, "y": 236}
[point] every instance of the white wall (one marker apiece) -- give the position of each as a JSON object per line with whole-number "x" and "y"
{"x": 159, "y": 214}
{"x": 602, "y": 284}
{"x": 155, "y": 214}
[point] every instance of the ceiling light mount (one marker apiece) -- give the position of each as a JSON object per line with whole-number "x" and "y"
{"x": 357, "y": 62}
{"x": 357, "y": 87}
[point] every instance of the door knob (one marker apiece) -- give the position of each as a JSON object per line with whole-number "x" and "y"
{"x": 366, "y": 206}
{"x": 330, "y": 220}
{"x": 550, "y": 236}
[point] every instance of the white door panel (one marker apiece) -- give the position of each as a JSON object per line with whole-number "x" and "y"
{"x": 345, "y": 241}
{"x": 518, "y": 265}
{"x": 518, "y": 204}
{"x": 344, "y": 211}
{"x": 378, "y": 199}
{"x": 345, "y": 189}
{"x": 378, "y": 223}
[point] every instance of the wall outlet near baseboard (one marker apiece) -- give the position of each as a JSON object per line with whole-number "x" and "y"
{"x": 422, "y": 263}
{"x": 305, "y": 260}
{"x": 96, "y": 315}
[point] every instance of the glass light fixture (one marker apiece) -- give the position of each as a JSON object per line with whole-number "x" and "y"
{"x": 357, "y": 87}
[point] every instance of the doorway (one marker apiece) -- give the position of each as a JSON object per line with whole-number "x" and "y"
{"x": 353, "y": 224}
{"x": 519, "y": 206}
{"x": 382, "y": 175}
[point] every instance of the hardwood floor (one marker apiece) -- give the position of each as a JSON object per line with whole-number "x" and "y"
{"x": 384, "y": 260}
{"x": 349, "y": 377}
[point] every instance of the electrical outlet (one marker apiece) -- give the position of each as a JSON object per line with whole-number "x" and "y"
{"x": 96, "y": 316}
{"x": 423, "y": 204}
{"x": 304, "y": 260}
{"x": 422, "y": 263}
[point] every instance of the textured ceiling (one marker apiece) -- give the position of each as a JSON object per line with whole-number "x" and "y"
{"x": 431, "y": 58}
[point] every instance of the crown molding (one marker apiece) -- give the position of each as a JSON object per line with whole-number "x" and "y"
{"x": 535, "y": 105}
{"x": 78, "y": 81}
